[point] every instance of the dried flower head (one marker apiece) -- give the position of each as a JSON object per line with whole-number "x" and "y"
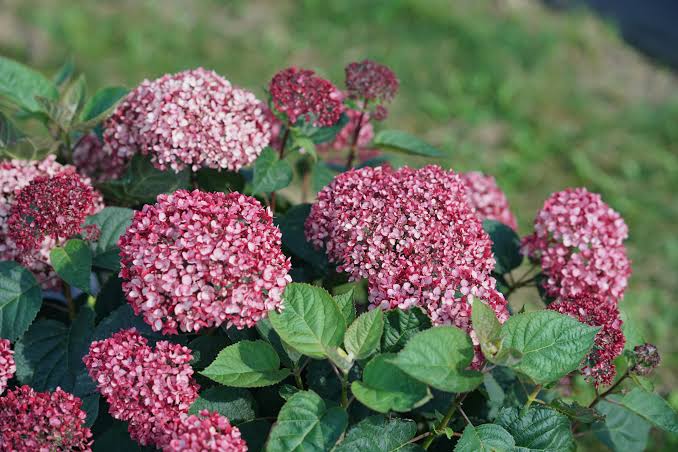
{"x": 92, "y": 160}
{"x": 579, "y": 241}
{"x": 299, "y": 93}
{"x": 148, "y": 388}
{"x": 204, "y": 433}
{"x": 646, "y": 359}
{"x": 42, "y": 421}
{"x": 412, "y": 234}
{"x": 485, "y": 196}
{"x": 7, "y": 365}
{"x": 50, "y": 206}
{"x": 190, "y": 119}
{"x": 608, "y": 343}
{"x": 373, "y": 83}
{"x": 196, "y": 260}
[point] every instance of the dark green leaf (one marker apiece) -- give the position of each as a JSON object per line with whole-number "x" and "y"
{"x": 363, "y": 336}
{"x": 404, "y": 142}
{"x": 385, "y": 387}
{"x": 505, "y": 246}
{"x": 377, "y": 433}
{"x": 20, "y": 300}
{"x": 102, "y": 103}
{"x": 306, "y": 422}
{"x": 270, "y": 173}
{"x": 205, "y": 350}
{"x": 112, "y": 222}
{"x": 321, "y": 176}
{"x": 485, "y": 438}
{"x": 247, "y": 364}
{"x": 320, "y": 135}
{"x": 110, "y": 297}
{"x": 311, "y": 321}
{"x": 400, "y": 326}
{"x": 440, "y": 357}
{"x": 236, "y": 404}
{"x": 346, "y": 305}
{"x": 287, "y": 391}
{"x": 20, "y": 84}
{"x": 622, "y": 431}
{"x": 293, "y": 238}
{"x": 537, "y": 429}
{"x": 73, "y": 263}
{"x": 576, "y": 412}
{"x": 123, "y": 318}
{"x": 255, "y": 434}
{"x": 220, "y": 181}
{"x": 652, "y": 408}
{"x": 288, "y": 355}
{"x": 116, "y": 438}
{"x": 552, "y": 344}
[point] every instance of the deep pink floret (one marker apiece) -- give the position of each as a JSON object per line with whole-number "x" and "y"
{"x": 373, "y": 83}
{"x": 92, "y": 160}
{"x": 412, "y": 234}
{"x": 195, "y": 260}
{"x": 191, "y": 119}
{"x": 579, "y": 242}
{"x": 299, "y": 93}
{"x": 42, "y": 421}
{"x": 7, "y": 364}
{"x": 205, "y": 433}
{"x": 50, "y": 206}
{"x": 149, "y": 388}
{"x": 485, "y": 196}
{"x": 609, "y": 342}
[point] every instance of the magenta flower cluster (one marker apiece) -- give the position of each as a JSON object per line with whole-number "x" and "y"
{"x": 372, "y": 83}
{"x": 412, "y": 234}
{"x": 33, "y": 421}
{"x": 191, "y": 119}
{"x": 196, "y": 260}
{"x": 579, "y": 242}
{"x": 7, "y": 364}
{"x": 299, "y": 93}
{"x": 203, "y": 433}
{"x": 485, "y": 196}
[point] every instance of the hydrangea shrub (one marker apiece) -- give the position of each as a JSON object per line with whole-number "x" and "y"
{"x": 186, "y": 267}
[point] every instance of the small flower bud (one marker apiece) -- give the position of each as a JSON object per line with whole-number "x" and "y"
{"x": 646, "y": 359}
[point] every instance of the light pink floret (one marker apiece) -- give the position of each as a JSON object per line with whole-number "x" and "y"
{"x": 7, "y": 364}
{"x": 205, "y": 433}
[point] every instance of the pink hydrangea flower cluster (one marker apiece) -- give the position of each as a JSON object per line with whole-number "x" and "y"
{"x": 299, "y": 93}
{"x": 412, "y": 234}
{"x": 196, "y": 260}
{"x": 150, "y": 388}
{"x": 204, "y": 433}
{"x": 485, "y": 196}
{"x": 15, "y": 175}
{"x": 372, "y": 83}
{"x": 609, "y": 342}
{"x": 92, "y": 160}
{"x": 191, "y": 119}
{"x": 42, "y": 421}
{"x": 579, "y": 241}
{"x": 7, "y": 364}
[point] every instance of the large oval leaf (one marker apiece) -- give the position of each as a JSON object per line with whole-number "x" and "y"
{"x": 20, "y": 84}
{"x": 537, "y": 429}
{"x": 377, "y": 433}
{"x": 363, "y": 336}
{"x": 400, "y": 326}
{"x": 236, "y": 404}
{"x": 652, "y": 408}
{"x": 20, "y": 300}
{"x": 622, "y": 430}
{"x": 112, "y": 223}
{"x": 404, "y": 142}
{"x": 505, "y": 246}
{"x": 485, "y": 438}
{"x": 270, "y": 173}
{"x": 73, "y": 263}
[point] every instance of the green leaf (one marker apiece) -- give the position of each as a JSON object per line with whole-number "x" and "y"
{"x": 247, "y": 364}
{"x": 385, "y": 387}
{"x": 9, "y": 133}
{"x": 622, "y": 430}
{"x": 112, "y": 223}
{"x": 363, "y": 336}
{"x": 404, "y": 142}
{"x": 102, "y": 103}
{"x": 72, "y": 101}
{"x": 255, "y": 433}
{"x": 487, "y": 328}
{"x": 485, "y": 438}
{"x": 321, "y": 176}
{"x": 652, "y": 408}
{"x": 346, "y": 306}
{"x": 289, "y": 356}
{"x": 320, "y": 135}
{"x": 377, "y": 433}
{"x": 292, "y": 227}
{"x": 537, "y": 429}
{"x": 304, "y": 423}
{"x": 576, "y": 412}
{"x": 20, "y": 84}
{"x": 552, "y": 344}
{"x": 123, "y": 318}
{"x": 73, "y": 263}
{"x": 440, "y": 357}
{"x": 632, "y": 332}
{"x": 220, "y": 180}
{"x": 505, "y": 246}
{"x": 236, "y": 404}
{"x": 20, "y": 300}
{"x": 400, "y": 326}
{"x": 64, "y": 73}
{"x": 270, "y": 173}
{"x": 311, "y": 321}
{"x": 50, "y": 355}
{"x": 205, "y": 350}
{"x": 116, "y": 438}
{"x": 142, "y": 182}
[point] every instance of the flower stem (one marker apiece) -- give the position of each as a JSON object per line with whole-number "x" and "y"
{"x": 443, "y": 423}
{"x": 533, "y": 396}
{"x": 281, "y": 154}
{"x": 69, "y": 300}
{"x": 612, "y": 388}
{"x": 356, "y": 134}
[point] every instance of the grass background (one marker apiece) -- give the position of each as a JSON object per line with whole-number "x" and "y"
{"x": 541, "y": 100}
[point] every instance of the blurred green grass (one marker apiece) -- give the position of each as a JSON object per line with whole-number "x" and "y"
{"x": 541, "y": 100}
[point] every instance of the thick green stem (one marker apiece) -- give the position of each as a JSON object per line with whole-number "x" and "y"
{"x": 443, "y": 423}
{"x": 356, "y": 134}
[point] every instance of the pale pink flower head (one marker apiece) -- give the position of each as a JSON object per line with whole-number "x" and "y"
{"x": 299, "y": 93}
{"x": 191, "y": 119}
{"x": 579, "y": 242}
{"x": 609, "y": 342}
{"x": 204, "y": 433}
{"x": 372, "y": 83}
{"x": 147, "y": 387}
{"x": 42, "y": 421}
{"x": 7, "y": 364}
{"x": 412, "y": 234}
{"x": 485, "y": 196}
{"x": 195, "y": 260}
{"x": 92, "y": 160}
